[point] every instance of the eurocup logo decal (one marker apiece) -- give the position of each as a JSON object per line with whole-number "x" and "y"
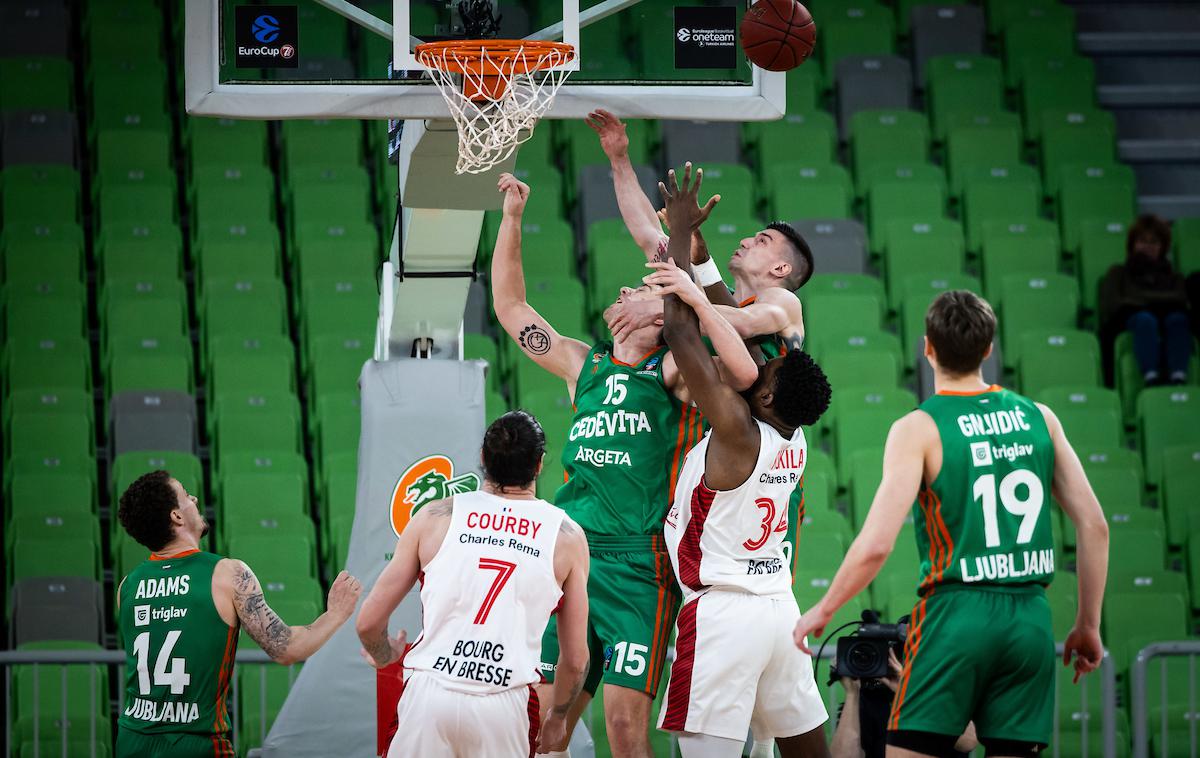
{"x": 266, "y": 29}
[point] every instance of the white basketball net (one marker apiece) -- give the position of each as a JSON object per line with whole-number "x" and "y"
{"x": 497, "y": 111}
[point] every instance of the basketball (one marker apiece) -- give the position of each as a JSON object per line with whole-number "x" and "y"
{"x": 778, "y": 35}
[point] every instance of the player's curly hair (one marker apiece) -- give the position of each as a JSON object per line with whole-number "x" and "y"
{"x": 145, "y": 510}
{"x": 513, "y": 447}
{"x": 801, "y": 392}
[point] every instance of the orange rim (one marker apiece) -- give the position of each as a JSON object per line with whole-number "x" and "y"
{"x": 485, "y": 57}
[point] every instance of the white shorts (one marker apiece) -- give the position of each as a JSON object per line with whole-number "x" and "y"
{"x": 736, "y": 669}
{"x": 435, "y": 721}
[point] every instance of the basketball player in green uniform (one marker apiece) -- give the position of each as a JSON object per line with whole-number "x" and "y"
{"x": 981, "y": 464}
{"x": 767, "y": 268}
{"x": 179, "y": 614}
{"x": 633, "y": 424}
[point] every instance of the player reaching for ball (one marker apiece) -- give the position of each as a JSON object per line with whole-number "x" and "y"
{"x": 981, "y": 463}
{"x": 767, "y": 268}
{"x": 726, "y": 536}
{"x": 633, "y": 424}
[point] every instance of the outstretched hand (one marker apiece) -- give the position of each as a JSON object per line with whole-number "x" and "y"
{"x": 613, "y": 140}
{"x": 516, "y": 194}
{"x": 675, "y": 281}
{"x": 683, "y": 211}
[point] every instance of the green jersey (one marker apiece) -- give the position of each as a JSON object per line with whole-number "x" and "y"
{"x": 178, "y": 650}
{"x": 985, "y": 520}
{"x": 626, "y": 446}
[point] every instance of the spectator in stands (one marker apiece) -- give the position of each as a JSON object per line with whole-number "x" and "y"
{"x": 1146, "y": 296}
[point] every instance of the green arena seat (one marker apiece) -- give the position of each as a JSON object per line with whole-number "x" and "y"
{"x": 262, "y": 690}
{"x": 1032, "y": 38}
{"x": 1179, "y": 492}
{"x": 336, "y": 362}
{"x": 260, "y": 462}
{"x": 582, "y": 146}
{"x": 848, "y": 284}
{"x": 135, "y": 261}
{"x": 54, "y": 315}
{"x": 243, "y": 308}
{"x": 45, "y": 363}
{"x": 842, "y": 340}
{"x": 233, "y": 348}
{"x": 971, "y": 84}
{"x": 321, "y": 141}
{"x": 1052, "y": 82}
{"x": 1091, "y": 416}
{"x": 279, "y": 405}
{"x": 547, "y": 247}
{"x": 1120, "y": 494}
{"x": 50, "y": 699}
{"x": 1057, "y": 358}
{"x": 74, "y": 400}
{"x": 798, "y": 191}
{"x": 36, "y": 83}
{"x": 980, "y": 141}
{"x": 1186, "y": 234}
{"x": 253, "y": 371}
{"x": 1166, "y": 416}
{"x": 150, "y": 363}
{"x": 906, "y": 192}
{"x": 338, "y": 424}
{"x": 866, "y": 472}
{"x": 226, "y": 141}
{"x": 269, "y": 557}
{"x": 263, "y": 493}
{"x": 849, "y": 312}
{"x": 932, "y": 246}
{"x": 887, "y": 137}
{"x": 266, "y": 432}
{"x": 60, "y": 556}
{"x": 230, "y": 190}
{"x": 36, "y": 193}
{"x": 51, "y": 434}
{"x": 1101, "y": 246}
{"x": 35, "y": 260}
{"x": 1024, "y": 248}
{"x": 1075, "y": 143}
{"x": 1005, "y": 195}
{"x": 1134, "y": 620}
{"x": 859, "y": 429}
{"x": 294, "y": 526}
{"x": 130, "y": 149}
{"x": 854, "y": 368}
{"x": 1041, "y": 302}
{"x": 866, "y": 28}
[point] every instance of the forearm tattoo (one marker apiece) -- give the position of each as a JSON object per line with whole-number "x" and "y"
{"x": 380, "y": 648}
{"x": 561, "y": 708}
{"x": 534, "y": 340}
{"x": 262, "y": 624}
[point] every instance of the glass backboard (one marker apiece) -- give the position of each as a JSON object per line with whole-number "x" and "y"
{"x": 332, "y": 58}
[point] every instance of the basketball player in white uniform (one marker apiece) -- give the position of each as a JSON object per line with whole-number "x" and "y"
{"x": 735, "y": 666}
{"x": 493, "y": 566}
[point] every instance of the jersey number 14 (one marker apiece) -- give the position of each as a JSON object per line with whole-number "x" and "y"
{"x": 1027, "y": 507}
{"x": 176, "y": 678}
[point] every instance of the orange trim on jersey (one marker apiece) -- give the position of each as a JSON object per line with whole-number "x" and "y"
{"x": 952, "y": 393}
{"x": 675, "y": 459}
{"x": 934, "y": 537}
{"x": 219, "y": 723}
{"x": 639, "y": 362}
{"x": 657, "y": 638}
{"x": 911, "y": 647}
{"x": 747, "y": 301}
{"x": 940, "y": 522}
{"x": 799, "y": 524}
{"x": 184, "y": 554}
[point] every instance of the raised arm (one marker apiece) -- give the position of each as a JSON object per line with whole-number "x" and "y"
{"x": 724, "y": 409}
{"x": 1074, "y": 493}
{"x": 561, "y": 356}
{"x": 393, "y": 585}
{"x": 572, "y": 549}
{"x": 285, "y": 644}
{"x": 774, "y": 311}
{"x": 636, "y": 211}
{"x": 903, "y": 467}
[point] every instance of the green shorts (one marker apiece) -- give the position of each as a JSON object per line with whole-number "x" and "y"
{"x": 131, "y": 744}
{"x": 632, "y": 601}
{"x": 982, "y": 654}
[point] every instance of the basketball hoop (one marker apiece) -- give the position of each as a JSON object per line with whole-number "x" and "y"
{"x": 496, "y": 90}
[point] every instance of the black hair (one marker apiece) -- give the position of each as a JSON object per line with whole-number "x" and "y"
{"x": 961, "y": 326}
{"x": 145, "y": 510}
{"x": 803, "y": 253}
{"x": 801, "y": 391}
{"x": 513, "y": 447}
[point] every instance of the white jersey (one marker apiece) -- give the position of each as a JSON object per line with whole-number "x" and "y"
{"x": 487, "y": 595}
{"x": 736, "y": 539}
